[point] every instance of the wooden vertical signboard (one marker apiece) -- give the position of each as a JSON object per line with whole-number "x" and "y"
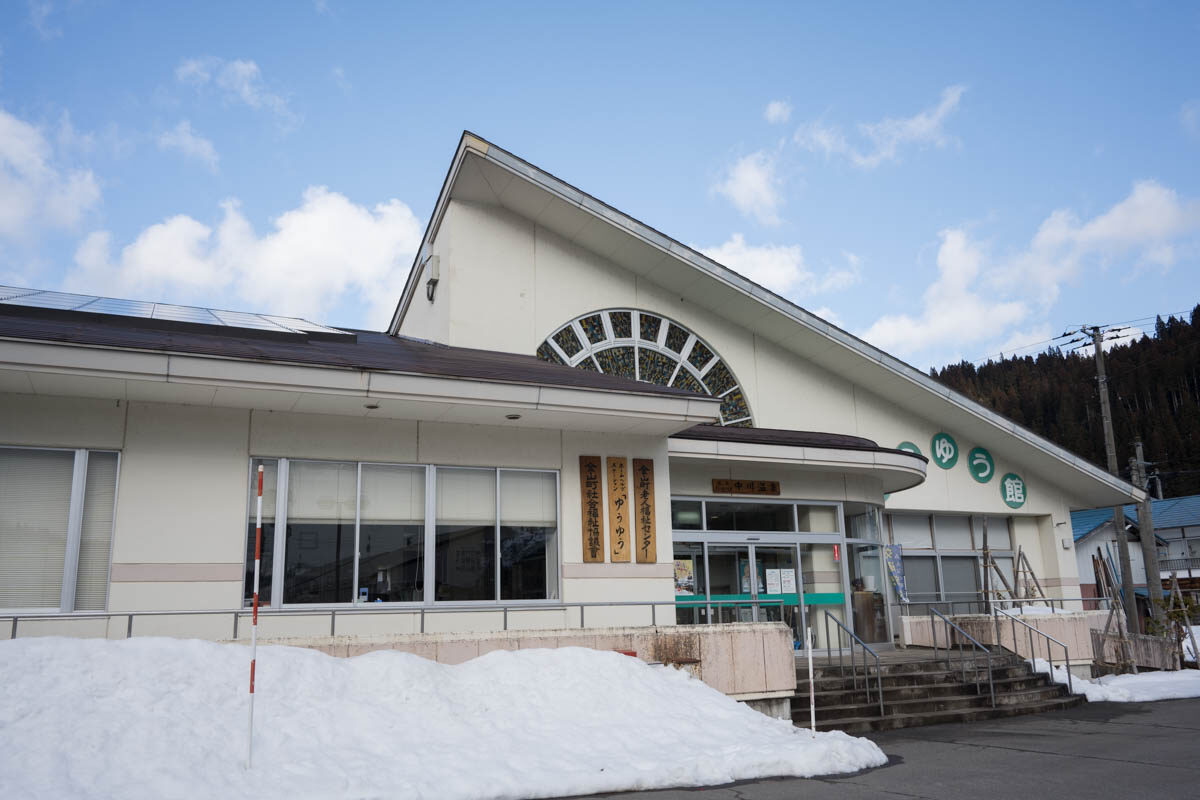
{"x": 643, "y": 504}
{"x": 618, "y": 510}
{"x": 592, "y": 501}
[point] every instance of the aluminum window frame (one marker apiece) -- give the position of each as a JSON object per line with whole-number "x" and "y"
{"x": 429, "y": 573}
{"x": 70, "y": 582}
{"x": 937, "y": 553}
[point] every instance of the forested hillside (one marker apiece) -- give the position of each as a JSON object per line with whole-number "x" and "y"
{"x": 1155, "y": 389}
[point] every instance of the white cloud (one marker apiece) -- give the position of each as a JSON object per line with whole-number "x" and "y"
{"x": 978, "y": 298}
{"x": 953, "y": 312}
{"x": 883, "y": 140}
{"x": 39, "y": 18}
{"x": 1189, "y": 117}
{"x": 37, "y": 190}
{"x": 191, "y": 144}
{"x": 1144, "y": 228}
{"x": 327, "y": 251}
{"x": 753, "y": 187}
{"x": 777, "y": 111}
{"x": 239, "y": 81}
{"x": 781, "y": 268}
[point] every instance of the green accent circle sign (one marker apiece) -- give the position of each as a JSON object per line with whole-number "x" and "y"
{"x": 981, "y": 465}
{"x": 909, "y": 446}
{"x": 1013, "y": 490}
{"x": 944, "y": 450}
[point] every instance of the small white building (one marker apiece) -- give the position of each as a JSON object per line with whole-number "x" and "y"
{"x": 573, "y": 422}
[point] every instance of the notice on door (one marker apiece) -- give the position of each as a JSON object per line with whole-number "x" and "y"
{"x": 774, "y": 583}
{"x": 618, "y": 510}
{"x": 787, "y": 581}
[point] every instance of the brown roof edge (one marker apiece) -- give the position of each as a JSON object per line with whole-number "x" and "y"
{"x": 787, "y": 438}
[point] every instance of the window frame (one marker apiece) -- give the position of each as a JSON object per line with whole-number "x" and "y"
{"x": 79, "y": 467}
{"x": 429, "y": 574}
{"x": 937, "y": 553}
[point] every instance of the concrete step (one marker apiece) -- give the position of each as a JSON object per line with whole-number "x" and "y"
{"x": 906, "y": 667}
{"x": 931, "y": 705}
{"x": 912, "y": 677}
{"x": 865, "y": 724}
{"x": 841, "y": 696}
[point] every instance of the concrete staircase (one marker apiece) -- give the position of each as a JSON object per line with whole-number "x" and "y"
{"x": 920, "y": 691}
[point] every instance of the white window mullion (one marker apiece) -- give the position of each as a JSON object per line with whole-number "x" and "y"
{"x": 430, "y": 575}
{"x": 74, "y": 526}
{"x": 278, "y": 551}
{"x": 357, "y": 523}
{"x": 497, "y": 535}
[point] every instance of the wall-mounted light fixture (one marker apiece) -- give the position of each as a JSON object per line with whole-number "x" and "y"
{"x": 433, "y": 273}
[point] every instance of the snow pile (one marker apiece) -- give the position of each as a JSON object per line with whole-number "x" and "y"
{"x": 159, "y": 718}
{"x": 1140, "y": 688}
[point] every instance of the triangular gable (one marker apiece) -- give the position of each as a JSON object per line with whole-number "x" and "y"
{"x": 484, "y": 173}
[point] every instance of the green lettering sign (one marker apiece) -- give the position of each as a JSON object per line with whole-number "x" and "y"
{"x": 1012, "y": 489}
{"x": 981, "y": 465}
{"x": 944, "y": 450}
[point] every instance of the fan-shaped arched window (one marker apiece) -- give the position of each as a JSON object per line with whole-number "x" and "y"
{"x": 650, "y": 348}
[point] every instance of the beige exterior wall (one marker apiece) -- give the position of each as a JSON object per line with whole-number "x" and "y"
{"x": 494, "y": 259}
{"x": 180, "y": 530}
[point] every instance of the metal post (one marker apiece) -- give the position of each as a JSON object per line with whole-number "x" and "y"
{"x": 506, "y": 618}
{"x": 1146, "y": 534}
{"x": 332, "y": 621}
{"x": 581, "y": 625}
{"x": 129, "y": 628}
{"x": 13, "y": 635}
{"x": 235, "y": 625}
{"x": 254, "y": 622}
{"x": 654, "y": 615}
{"x": 812, "y": 692}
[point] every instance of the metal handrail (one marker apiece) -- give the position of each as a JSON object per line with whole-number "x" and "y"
{"x": 238, "y": 613}
{"x": 979, "y": 605}
{"x": 961, "y": 658}
{"x": 996, "y": 612}
{"x": 853, "y": 668}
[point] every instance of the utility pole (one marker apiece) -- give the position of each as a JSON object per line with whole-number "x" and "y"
{"x": 1096, "y": 333}
{"x": 1146, "y": 533}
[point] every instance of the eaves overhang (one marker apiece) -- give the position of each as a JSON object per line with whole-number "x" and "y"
{"x": 651, "y": 253}
{"x": 44, "y": 368}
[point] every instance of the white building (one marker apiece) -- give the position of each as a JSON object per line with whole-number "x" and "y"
{"x": 432, "y": 475}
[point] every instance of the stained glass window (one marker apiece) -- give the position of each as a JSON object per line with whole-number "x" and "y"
{"x": 664, "y": 353}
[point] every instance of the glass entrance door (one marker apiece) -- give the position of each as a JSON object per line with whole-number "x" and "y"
{"x": 733, "y": 583}
{"x": 779, "y": 596}
{"x": 822, "y": 567}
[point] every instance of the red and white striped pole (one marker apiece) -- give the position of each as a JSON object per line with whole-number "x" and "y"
{"x": 254, "y": 622}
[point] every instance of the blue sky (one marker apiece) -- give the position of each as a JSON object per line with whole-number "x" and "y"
{"x": 947, "y": 180}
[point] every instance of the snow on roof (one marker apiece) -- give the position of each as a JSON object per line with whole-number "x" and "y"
{"x": 1173, "y": 512}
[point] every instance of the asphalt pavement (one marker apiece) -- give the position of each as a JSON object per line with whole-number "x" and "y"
{"x": 1097, "y": 751}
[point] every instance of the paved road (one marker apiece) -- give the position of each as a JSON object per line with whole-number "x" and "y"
{"x": 1095, "y": 751}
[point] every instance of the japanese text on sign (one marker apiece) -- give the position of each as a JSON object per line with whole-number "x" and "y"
{"x": 592, "y": 502}
{"x": 618, "y": 510}
{"x": 739, "y": 486}
{"x": 643, "y": 492}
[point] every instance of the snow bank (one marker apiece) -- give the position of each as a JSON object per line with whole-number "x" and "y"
{"x": 1140, "y": 688}
{"x": 166, "y": 718}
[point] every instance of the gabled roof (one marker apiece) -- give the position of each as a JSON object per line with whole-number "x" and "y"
{"x": 484, "y": 173}
{"x": 1173, "y": 512}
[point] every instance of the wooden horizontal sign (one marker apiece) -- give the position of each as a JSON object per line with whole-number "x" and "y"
{"x": 740, "y": 486}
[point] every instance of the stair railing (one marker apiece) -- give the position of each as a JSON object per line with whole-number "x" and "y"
{"x": 866, "y": 649}
{"x": 950, "y": 629}
{"x": 997, "y": 611}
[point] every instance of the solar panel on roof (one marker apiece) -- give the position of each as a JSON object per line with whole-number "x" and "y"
{"x": 59, "y": 300}
{"x": 201, "y": 316}
{"x": 298, "y": 324}
{"x": 66, "y": 301}
{"x": 123, "y": 308}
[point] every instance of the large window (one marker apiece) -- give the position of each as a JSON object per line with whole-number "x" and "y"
{"x": 943, "y": 557}
{"x": 388, "y": 533}
{"x": 56, "y": 523}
